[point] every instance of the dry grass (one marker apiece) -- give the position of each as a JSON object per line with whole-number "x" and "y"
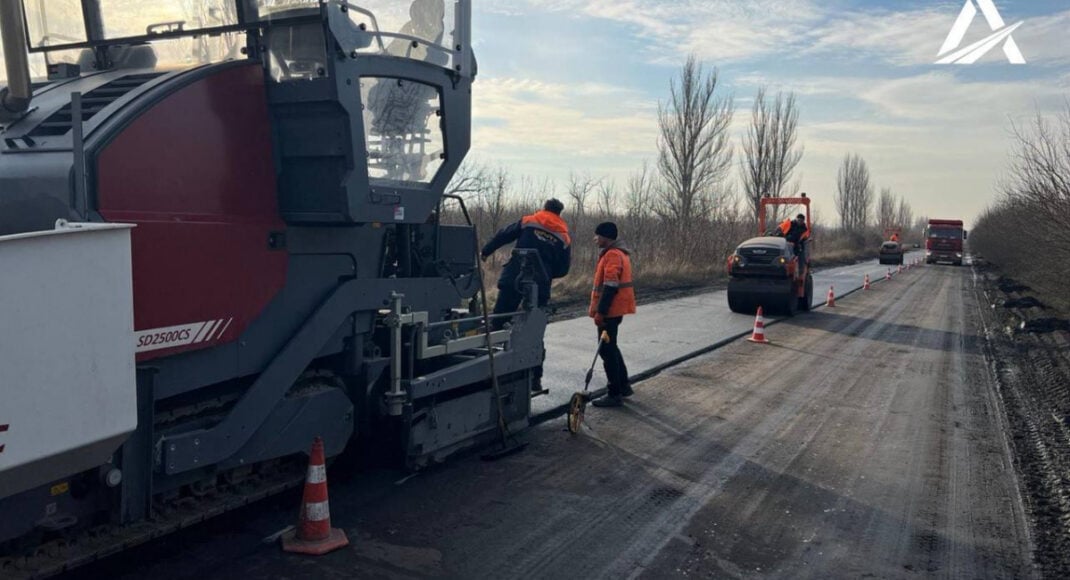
{"x": 665, "y": 256}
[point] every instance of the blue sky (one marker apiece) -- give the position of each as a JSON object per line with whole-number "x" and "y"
{"x": 573, "y": 85}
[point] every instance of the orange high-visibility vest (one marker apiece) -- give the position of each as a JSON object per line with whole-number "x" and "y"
{"x": 614, "y": 270}
{"x": 785, "y": 227}
{"x": 549, "y": 222}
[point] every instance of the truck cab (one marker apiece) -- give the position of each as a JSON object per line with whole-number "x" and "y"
{"x": 944, "y": 241}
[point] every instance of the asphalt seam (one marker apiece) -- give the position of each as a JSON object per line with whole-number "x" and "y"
{"x": 554, "y": 412}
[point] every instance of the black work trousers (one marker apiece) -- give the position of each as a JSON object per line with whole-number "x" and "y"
{"x": 612, "y": 359}
{"x": 509, "y": 300}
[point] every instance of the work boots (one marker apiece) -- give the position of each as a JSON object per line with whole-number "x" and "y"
{"x": 609, "y": 401}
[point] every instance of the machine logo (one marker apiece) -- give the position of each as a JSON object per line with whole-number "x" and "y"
{"x": 1000, "y": 33}
{"x": 182, "y": 335}
{"x": 3, "y": 429}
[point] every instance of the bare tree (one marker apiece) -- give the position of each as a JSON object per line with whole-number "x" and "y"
{"x": 580, "y": 187}
{"x": 886, "y": 216}
{"x": 694, "y": 151}
{"x": 607, "y": 195}
{"x": 469, "y": 180}
{"x": 531, "y": 194}
{"x": 1040, "y": 172}
{"x": 920, "y": 224}
{"x": 494, "y": 196}
{"x": 770, "y": 148}
{"x": 904, "y": 215}
{"x": 639, "y": 192}
{"x": 854, "y": 195}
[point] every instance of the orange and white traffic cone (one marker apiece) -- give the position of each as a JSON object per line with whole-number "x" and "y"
{"x": 865, "y": 282}
{"x": 831, "y": 300}
{"x": 899, "y": 269}
{"x": 314, "y": 534}
{"x": 759, "y": 329}
{"x": 888, "y": 276}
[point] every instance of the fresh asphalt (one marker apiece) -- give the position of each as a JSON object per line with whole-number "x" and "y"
{"x": 665, "y": 333}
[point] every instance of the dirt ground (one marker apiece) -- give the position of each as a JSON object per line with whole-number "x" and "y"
{"x": 1029, "y": 352}
{"x": 867, "y": 441}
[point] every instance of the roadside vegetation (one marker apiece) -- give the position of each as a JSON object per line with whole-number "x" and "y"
{"x": 683, "y": 213}
{"x": 1026, "y": 233}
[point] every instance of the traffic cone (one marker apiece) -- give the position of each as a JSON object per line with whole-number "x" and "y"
{"x": 899, "y": 269}
{"x": 865, "y": 282}
{"x": 888, "y": 276}
{"x": 831, "y": 300}
{"x": 759, "y": 329}
{"x": 314, "y": 534}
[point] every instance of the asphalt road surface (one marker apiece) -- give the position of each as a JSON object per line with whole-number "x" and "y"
{"x": 865, "y": 442}
{"x": 666, "y": 331}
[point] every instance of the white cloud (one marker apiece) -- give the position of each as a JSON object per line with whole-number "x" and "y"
{"x": 721, "y": 30}
{"x": 908, "y": 38}
{"x": 940, "y": 96}
{"x": 563, "y": 126}
{"x": 902, "y": 38}
{"x": 712, "y": 29}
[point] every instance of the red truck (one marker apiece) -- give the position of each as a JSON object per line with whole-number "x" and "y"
{"x": 943, "y": 241}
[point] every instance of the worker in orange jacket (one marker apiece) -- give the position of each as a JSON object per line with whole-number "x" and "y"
{"x": 612, "y": 298}
{"x": 798, "y": 233}
{"x": 545, "y": 232}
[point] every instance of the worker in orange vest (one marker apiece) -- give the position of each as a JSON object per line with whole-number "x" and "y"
{"x": 612, "y": 298}
{"x": 798, "y": 233}
{"x": 545, "y": 232}
{"x": 895, "y": 237}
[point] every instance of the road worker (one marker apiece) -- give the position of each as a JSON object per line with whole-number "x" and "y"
{"x": 545, "y": 232}
{"x": 612, "y": 298}
{"x": 796, "y": 232}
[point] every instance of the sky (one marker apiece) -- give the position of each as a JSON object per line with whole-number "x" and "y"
{"x": 574, "y": 85}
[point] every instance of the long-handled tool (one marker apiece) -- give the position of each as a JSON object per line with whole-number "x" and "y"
{"x": 509, "y": 444}
{"x": 578, "y": 405}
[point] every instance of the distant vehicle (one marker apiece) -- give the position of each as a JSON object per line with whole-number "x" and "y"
{"x": 891, "y": 253}
{"x": 891, "y": 249}
{"x": 765, "y": 271}
{"x": 943, "y": 241}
